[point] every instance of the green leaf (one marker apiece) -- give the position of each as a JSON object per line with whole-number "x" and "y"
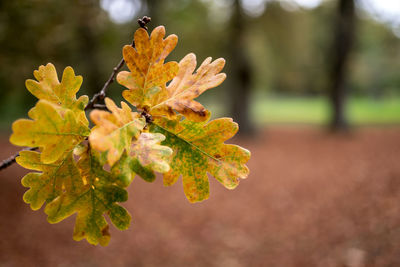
{"x": 146, "y": 173}
{"x": 53, "y": 129}
{"x": 127, "y": 167}
{"x": 96, "y": 195}
{"x": 199, "y": 148}
{"x": 84, "y": 188}
{"x": 122, "y": 171}
{"x": 54, "y": 179}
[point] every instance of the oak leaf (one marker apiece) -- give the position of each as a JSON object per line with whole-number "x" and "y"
{"x": 188, "y": 85}
{"x": 114, "y": 131}
{"x": 145, "y": 157}
{"x": 122, "y": 171}
{"x": 148, "y": 73}
{"x": 199, "y": 148}
{"x": 53, "y": 180}
{"x": 150, "y": 153}
{"x": 63, "y": 94}
{"x": 95, "y": 194}
{"x": 125, "y": 169}
{"x": 53, "y": 131}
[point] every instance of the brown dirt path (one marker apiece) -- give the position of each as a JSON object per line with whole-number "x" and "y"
{"x": 312, "y": 199}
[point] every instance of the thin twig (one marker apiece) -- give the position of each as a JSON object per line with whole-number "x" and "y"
{"x": 102, "y": 94}
{"x": 7, "y": 162}
{"x": 93, "y": 101}
{"x": 100, "y": 106}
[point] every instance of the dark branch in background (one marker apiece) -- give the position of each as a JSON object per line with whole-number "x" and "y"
{"x": 93, "y": 101}
{"x": 7, "y": 162}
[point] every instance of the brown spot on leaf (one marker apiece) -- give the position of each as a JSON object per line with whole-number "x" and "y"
{"x": 105, "y": 231}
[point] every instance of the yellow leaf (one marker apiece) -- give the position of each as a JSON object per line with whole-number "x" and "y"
{"x": 114, "y": 131}
{"x": 48, "y": 87}
{"x": 53, "y": 129}
{"x": 148, "y": 73}
{"x": 187, "y": 85}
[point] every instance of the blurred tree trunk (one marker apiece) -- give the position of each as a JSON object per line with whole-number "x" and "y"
{"x": 153, "y": 12}
{"x": 240, "y": 76}
{"x": 342, "y": 44}
{"x": 89, "y": 45}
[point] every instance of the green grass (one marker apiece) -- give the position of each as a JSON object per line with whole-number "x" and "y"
{"x": 317, "y": 110}
{"x": 298, "y": 110}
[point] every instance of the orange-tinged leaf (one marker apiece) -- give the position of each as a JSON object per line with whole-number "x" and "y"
{"x": 148, "y": 73}
{"x": 150, "y": 153}
{"x": 187, "y": 85}
{"x": 63, "y": 94}
{"x": 114, "y": 131}
{"x": 199, "y": 148}
{"x": 53, "y": 129}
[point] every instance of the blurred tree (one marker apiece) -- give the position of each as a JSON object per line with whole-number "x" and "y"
{"x": 88, "y": 47}
{"x": 342, "y": 44}
{"x": 33, "y": 33}
{"x": 376, "y": 62}
{"x": 153, "y": 11}
{"x": 240, "y": 71}
{"x": 281, "y": 51}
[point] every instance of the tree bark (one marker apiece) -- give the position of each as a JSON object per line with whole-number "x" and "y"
{"x": 342, "y": 45}
{"x": 240, "y": 73}
{"x": 153, "y": 12}
{"x": 89, "y": 46}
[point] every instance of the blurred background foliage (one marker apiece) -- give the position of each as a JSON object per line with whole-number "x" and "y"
{"x": 278, "y": 53}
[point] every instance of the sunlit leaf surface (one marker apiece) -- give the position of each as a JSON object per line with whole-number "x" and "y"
{"x": 62, "y": 93}
{"x": 53, "y": 129}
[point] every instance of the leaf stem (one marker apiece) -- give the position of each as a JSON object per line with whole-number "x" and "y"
{"x": 93, "y": 101}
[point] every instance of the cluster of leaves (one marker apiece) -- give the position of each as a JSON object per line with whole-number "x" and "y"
{"x": 86, "y": 171}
